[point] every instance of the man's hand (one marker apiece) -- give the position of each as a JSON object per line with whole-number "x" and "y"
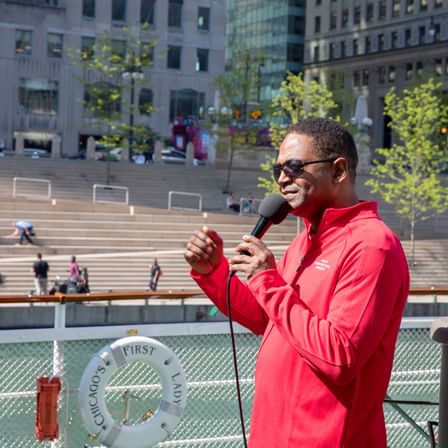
{"x": 260, "y": 258}
{"x": 204, "y": 251}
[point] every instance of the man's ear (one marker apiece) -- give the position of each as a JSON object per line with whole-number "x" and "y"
{"x": 340, "y": 170}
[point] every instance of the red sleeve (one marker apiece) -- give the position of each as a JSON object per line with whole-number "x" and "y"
{"x": 371, "y": 289}
{"x": 245, "y": 308}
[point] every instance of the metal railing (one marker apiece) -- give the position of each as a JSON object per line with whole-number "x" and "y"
{"x": 211, "y": 418}
{"x": 249, "y": 206}
{"x": 109, "y": 188}
{"x": 181, "y": 193}
{"x": 33, "y": 193}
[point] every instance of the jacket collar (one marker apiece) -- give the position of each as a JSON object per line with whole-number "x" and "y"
{"x": 339, "y": 217}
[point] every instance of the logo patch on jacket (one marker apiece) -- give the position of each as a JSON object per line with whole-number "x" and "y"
{"x": 322, "y": 265}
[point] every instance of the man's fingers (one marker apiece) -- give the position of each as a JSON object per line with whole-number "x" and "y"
{"x": 212, "y": 236}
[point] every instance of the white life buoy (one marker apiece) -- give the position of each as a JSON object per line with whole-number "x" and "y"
{"x": 96, "y": 376}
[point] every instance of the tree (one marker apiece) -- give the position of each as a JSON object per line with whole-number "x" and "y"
{"x": 112, "y": 71}
{"x": 238, "y": 87}
{"x": 297, "y": 100}
{"x": 409, "y": 178}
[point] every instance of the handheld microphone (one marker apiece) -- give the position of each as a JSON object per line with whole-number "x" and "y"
{"x": 273, "y": 209}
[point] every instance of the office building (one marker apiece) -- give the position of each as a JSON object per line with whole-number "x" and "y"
{"x": 39, "y": 93}
{"x": 364, "y": 47}
{"x": 276, "y": 29}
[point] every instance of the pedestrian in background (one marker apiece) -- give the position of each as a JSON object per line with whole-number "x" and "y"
{"x": 23, "y": 229}
{"x": 155, "y": 272}
{"x": 40, "y": 269}
{"x": 74, "y": 270}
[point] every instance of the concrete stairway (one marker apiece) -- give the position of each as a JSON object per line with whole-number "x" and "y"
{"x": 149, "y": 186}
{"x": 115, "y": 246}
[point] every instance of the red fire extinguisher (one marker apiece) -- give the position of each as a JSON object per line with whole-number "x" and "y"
{"x": 48, "y": 389}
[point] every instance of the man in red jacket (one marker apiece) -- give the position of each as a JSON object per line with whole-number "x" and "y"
{"x": 329, "y": 310}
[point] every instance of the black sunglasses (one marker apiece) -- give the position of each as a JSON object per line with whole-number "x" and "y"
{"x": 294, "y": 168}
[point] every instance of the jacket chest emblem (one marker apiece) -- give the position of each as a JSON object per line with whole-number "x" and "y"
{"x": 322, "y": 265}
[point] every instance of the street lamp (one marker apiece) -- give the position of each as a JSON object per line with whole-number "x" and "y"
{"x": 133, "y": 73}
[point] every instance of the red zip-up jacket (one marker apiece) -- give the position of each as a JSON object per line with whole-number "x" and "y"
{"x": 329, "y": 314}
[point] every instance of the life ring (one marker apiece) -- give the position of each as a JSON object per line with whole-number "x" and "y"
{"x": 96, "y": 376}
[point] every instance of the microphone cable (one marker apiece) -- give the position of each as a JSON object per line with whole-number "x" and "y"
{"x": 235, "y": 362}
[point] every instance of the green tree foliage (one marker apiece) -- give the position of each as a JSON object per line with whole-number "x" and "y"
{"x": 409, "y": 178}
{"x": 297, "y": 100}
{"x": 112, "y": 69}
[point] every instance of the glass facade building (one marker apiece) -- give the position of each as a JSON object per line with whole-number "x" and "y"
{"x": 275, "y": 28}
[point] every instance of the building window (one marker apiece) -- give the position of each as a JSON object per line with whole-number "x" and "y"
{"x": 316, "y": 54}
{"x": 55, "y": 45}
{"x": 296, "y": 25}
{"x": 365, "y": 77}
{"x": 38, "y": 96}
{"x": 394, "y": 40}
{"x": 395, "y": 8}
{"x": 391, "y": 73}
{"x": 147, "y": 10}
{"x": 317, "y": 24}
{"x": 382, "y": 10}
{"x": 369, "y": 13}
{"x": 423, "y": 5}
{"x": 331, "y": 51}
{"x": 446, "y": 66}
{"x": 145, "y": 100}
{"x": 438, "y": 67}
{"x": 421, "y": 35}
{"x": 409, "y": 72}
{"x": 333, "y": 19}
{"x": 409, "y": 6}
{"x": 23, "y": 42}
{"x": 407, "y": 37}
{"x": 344, "y": 17}
{"x": 438, "y": 3}
{"x": 356, "y": 78}
{"x": 174, "y": 57}
{"x": 436, "y": 31}
{"x": 175, "y": 13}
{"x": 87, "y": 47}
{"x": 203, "y": 18}
{"x": 355, "y": 47}
{"x": 419, "y": 69}
{"x": 186, "y": 103}
{"x": 118, "y": 50}
{"x": 380, "y": 42}
{"x": 88, "y": 9}
{"x": 367, "y": 44}
{"x": 382, "y": 75}
{"x": 343, "y": 52}
{"x": 357, "y": 15}
{"x": 294, "y": 53}
{"x": 119, "y": 10}
{"x": 318, "y": 2}
{"x": 202, "y": 60}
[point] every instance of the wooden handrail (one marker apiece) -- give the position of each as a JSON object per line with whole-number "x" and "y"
{"x": 162, "y": 294}
{"x": 101, "y": 296}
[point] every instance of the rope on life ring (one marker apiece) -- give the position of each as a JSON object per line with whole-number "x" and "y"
{"x": 96, "y": 376}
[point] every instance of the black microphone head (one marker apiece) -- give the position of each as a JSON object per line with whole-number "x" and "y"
{"x": 274, "y": 207}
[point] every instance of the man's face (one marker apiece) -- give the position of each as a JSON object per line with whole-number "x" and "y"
{"x": 310, "y": 193}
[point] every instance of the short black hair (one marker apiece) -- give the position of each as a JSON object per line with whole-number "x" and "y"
{"x": 331, "y": 139}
